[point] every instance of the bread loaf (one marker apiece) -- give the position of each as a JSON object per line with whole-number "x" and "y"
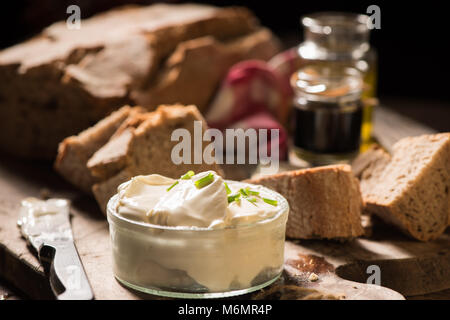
{"x": 183, "y": 77}
{"x": 325, "y": 202}
{"x": 63, "y": 81}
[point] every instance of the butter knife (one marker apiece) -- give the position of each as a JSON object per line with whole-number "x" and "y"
{"x": 45, "y": 224}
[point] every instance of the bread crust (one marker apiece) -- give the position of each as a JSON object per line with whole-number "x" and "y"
{"x": 325, "y": 202}
{"x": 412, "y": 191}
{"x": 62, "y": 81}
{"x": 144, "y": 146}
{"x": 75, "y": 151}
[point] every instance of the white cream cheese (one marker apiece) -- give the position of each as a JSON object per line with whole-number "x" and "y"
{"x": 147, "y": 198}
{"x": 187, "y": 205}
{"x": 140, "y": 194}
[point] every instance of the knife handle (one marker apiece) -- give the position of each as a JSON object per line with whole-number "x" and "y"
{"x": 67, "y": 276}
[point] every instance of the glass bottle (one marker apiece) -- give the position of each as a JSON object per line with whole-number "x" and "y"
{"x": 327, "y": 114}
{"x": 339, "y": 40}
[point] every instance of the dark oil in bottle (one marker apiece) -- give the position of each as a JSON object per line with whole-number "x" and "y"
{"x": 326, "y": 132}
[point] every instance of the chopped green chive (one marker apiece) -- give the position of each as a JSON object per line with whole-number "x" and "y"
{"x": 270, "y": 201}
{"x": 173, "y": 185}
{"x": 234, "y": 197}
{"x": 244, "y": 192}
{"x": 203, "y": 182}
{"x": 188, "y": 175}
{"x": 252, "y": 201}
{"x": 227, "y": 188}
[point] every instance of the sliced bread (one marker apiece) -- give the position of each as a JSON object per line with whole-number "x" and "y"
{"x": 75, "y": 151}
{"x": 144, "y": 146}
{"x": 370, "y": 164}
{"x": 325, "y": 202}
{"x": 374, "y": 159}
{"x": 412, "y": 191}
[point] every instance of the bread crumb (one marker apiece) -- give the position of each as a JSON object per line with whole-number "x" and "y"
{"x": 313, "y": 277}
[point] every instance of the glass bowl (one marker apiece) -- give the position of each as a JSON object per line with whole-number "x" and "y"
{"x": 192, "y": 262}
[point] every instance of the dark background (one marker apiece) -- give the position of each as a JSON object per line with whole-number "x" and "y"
{"x": 412, "y": 43}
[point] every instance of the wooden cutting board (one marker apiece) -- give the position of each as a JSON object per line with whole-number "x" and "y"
{"x": 407, "y": 266}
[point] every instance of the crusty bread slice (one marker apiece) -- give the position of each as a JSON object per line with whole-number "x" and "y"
{"x": 412, "y": 191}
{"x": 112, "y": 157}
{"x": 370, "y": 161}
{"x": 145, "y": 147}
{"x": 75, "y": 151}
{"x": 369, "y": 165}
{"x": 325, "y": 202}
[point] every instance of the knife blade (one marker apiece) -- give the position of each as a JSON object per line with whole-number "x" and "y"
{"x": 45, "y": 224}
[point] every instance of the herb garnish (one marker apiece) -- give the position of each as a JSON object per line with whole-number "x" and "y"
{"x": 227, "y": 188}
{"x": 203, "y": 182}
{"x": 243, "y": 192}
{"x": 185, "y": 176}
{"x": 173, "y": 185}
{"x": 252, "y": 201}
{"x": 234, "y": 197}
{"x": 270, "y": 201}
{"x": 249, "y": 195}
{"x": 188, "y": 175}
